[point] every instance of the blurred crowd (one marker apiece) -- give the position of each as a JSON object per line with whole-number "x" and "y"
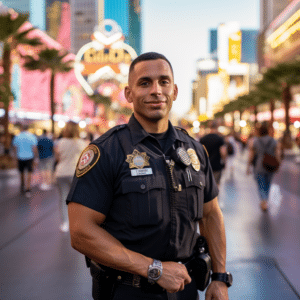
{"x": 55, "y": 158}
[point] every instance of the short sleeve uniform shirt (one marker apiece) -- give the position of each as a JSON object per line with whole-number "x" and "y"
{"x": 152, "y": 202}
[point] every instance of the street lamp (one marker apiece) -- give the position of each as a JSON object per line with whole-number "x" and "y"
{"x": 243, "y": 123}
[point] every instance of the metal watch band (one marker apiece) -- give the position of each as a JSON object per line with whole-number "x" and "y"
{"x": 157, "y": 264}
{"x": 155, "y": 271}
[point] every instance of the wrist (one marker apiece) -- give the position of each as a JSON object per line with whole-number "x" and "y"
{"x": 223, "y": 277}
{"x": 155, "y": 271}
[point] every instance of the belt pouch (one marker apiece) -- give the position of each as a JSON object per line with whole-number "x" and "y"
{"x": 103, "y": 284}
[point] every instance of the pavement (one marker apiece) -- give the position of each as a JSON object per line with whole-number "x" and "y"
{"x": 37, "y": 261}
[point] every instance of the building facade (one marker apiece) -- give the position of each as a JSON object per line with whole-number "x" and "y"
{"x": 229, "y": 72}
{"x": 280, "y": 41}
{"x": 269, "y": 10}
{"x": 128, "y": 16}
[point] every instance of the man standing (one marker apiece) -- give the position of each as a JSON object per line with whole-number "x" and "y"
{"x": 45, "y": 149}
{"x": 139, "y": 194}
{"x": 216, "y": 149}
{"x": 25, "y": 145}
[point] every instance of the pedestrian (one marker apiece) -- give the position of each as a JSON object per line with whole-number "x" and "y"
{"x": 297, "y": 140}
{"x": 25, "y": 147}
{"x": 263, "y": 144}
{"x": 217, "y": 150}
{"x": 232, "y": 153}
{"x": 67, "y": 151}
{"x": 139, "y": 193}
{"x": 46, "y": 160}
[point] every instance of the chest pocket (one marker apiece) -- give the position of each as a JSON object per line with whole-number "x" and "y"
{"x": 195, "y": 195}
{"x": 145, "y": 196}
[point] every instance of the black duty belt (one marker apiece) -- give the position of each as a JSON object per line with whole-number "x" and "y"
{"x": 102, "y": 273}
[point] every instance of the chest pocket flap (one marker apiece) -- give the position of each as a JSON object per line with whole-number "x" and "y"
{"x": 195, "y": 195}
{"x": 144, "y": 195}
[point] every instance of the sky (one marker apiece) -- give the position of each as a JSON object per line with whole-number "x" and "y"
{"x": 179, "y": 29}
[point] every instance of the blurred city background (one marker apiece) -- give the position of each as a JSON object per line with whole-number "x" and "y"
{"x": 68, "y": 60}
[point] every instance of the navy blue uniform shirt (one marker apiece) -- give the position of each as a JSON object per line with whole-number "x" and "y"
{"x": 152, "y": 206}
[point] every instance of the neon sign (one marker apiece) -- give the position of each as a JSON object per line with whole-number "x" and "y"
{"x": 106, "y": 58}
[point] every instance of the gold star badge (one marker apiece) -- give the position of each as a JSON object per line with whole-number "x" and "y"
{"x": 138, "y": 160}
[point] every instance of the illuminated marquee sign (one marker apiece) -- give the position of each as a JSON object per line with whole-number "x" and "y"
{"x": 234, "y": 45}
{"x": 282, "y": 38}
{"x": 285, "y": 31}
{"x": 106, "y": 58}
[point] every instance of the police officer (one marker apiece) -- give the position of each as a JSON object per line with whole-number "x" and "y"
{"x": 139, "y": 193}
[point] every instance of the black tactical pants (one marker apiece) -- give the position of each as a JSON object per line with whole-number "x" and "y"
{"x": 116, "y": 291}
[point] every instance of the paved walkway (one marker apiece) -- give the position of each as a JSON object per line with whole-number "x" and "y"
{"x": 37, "y": 261}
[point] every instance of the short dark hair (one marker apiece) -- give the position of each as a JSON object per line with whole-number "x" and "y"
{"x": 149, "y": 56}
{"x": 263, "y": 129}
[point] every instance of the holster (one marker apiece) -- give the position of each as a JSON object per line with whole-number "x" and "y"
{"x": 103, "y": 286}
{"x": 200, "y": 265}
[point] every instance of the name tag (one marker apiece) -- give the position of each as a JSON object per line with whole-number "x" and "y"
{"x": 141, "y": 172}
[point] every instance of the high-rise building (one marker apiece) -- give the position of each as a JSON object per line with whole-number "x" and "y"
{"x": 84, "y": 19}
{"x": 230, "y": 71}
{"x": 248, "y": 45}
{"x": 72, "y": 22}
{"x": 269, "y": 10}
{"x": 128, "y": 16}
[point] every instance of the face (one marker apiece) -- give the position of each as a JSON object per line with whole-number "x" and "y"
{"x": 152, "y": 90}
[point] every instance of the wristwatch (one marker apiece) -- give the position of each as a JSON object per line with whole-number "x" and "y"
{"x": 224, "y": 277}
{"x": 155, "y": 271}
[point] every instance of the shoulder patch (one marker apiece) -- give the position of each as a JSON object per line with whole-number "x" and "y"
{"x": 88, "y": 158}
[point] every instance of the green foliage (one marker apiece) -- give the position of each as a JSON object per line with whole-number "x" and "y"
{"x": 269, "y": 88}
{"x": 49, "y": 59}
{"x": 9, "y": 25}
{"x": 98, "y": 99}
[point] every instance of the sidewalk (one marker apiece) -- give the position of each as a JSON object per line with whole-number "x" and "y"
{"x": 263, "y": 248}
{"x": 37, "y": 261}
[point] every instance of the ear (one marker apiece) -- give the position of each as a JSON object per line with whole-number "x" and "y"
{"x": 175, "y": 92}
{"x": 127, "y": 93}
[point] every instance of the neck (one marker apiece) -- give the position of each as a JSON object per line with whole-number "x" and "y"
{"x": 157, "y": 126}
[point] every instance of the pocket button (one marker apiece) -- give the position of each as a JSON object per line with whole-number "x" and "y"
{"x": 143, "y": 186}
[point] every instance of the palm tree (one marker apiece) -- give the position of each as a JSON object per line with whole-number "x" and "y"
{"x": 11, "y": 37}
{"x": 53, "y": 60}
{"x": 280, "y": 79}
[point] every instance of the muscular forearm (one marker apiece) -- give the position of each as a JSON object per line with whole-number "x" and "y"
{"x": 89, "y": 238}
{"x": 97, "y": 244}
{"x": 212, "y": 227}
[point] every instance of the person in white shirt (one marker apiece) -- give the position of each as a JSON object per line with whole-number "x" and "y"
{"x": 67, "y": 152}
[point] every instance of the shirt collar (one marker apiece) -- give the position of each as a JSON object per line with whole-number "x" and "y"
{"x": 138, "y": 133}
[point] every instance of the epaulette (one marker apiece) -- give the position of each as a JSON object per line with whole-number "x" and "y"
{"x": 182, "y": 129}
{"x": 108, "y": 133}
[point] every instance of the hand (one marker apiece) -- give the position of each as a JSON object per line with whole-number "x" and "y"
{"x": 175, "y": 276}
{"x": 217, "y": 290}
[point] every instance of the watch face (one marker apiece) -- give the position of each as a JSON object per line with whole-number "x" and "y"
{"x": 154, "y": 273}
